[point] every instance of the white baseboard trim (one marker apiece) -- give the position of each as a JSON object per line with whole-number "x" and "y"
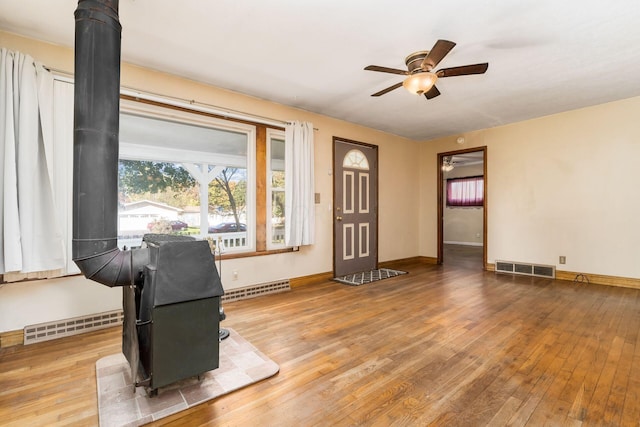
{"x": 464, "y": 243}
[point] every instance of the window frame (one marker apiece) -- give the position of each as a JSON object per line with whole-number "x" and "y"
{"x": 257, "y": 163}
{"x": 130, "y": 151}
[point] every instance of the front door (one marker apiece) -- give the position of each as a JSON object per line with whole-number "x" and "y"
{"x": 355, "y": 207}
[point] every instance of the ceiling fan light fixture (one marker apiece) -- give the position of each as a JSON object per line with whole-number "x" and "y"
{"x": 420, "y": 83}
{"x": 447, "y": 164}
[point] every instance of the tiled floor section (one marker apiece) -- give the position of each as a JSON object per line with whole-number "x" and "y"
{"x": 241, "y": 364}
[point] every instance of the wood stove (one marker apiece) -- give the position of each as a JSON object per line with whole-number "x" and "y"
{"x": 171, "y": 288}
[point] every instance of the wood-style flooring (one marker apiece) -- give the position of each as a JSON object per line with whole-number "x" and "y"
{"x": 443, "y": 345}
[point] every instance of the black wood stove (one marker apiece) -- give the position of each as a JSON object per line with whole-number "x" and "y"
{"x": 171, "y": 288}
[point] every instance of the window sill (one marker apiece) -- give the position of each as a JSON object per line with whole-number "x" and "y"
{"x": 257, "y": 253}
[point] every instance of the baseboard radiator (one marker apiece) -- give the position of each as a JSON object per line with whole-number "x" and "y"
{"x": 538, "y": 270}
{"x": 256, "y": 290}
{"x": 78, "y": 325}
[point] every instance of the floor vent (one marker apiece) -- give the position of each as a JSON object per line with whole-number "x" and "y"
{"x": 77, "y": 325}
{"x": 257, "y": 290}
{"x": 537, "y": 270}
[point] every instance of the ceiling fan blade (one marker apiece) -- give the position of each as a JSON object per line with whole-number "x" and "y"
{"x": 432, "y": 93}
{"x": 386, "y": 70}
{"x": 463, "y": 70}
{"x": 437, "y": 52}
{"x": 389, "y": 89}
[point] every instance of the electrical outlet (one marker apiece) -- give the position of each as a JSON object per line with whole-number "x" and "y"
{"x": 563, "y": 259}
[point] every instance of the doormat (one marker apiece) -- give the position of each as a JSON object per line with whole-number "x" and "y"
{"x": 241, "y": 364}
{"x": 365, "y": 277}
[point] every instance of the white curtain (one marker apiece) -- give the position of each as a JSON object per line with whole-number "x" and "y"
{"x": 32, "y": 243}
{"x": 299, "y": 189}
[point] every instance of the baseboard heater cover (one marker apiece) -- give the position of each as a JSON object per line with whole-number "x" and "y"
{"x": 256, "y": 290}
{"x": 525, "y": 269}
{"x": 78, "y": 325}
{"x": 74, "y": 326}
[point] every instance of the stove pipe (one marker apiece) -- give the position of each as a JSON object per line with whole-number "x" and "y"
{"x": 95, "y": 156}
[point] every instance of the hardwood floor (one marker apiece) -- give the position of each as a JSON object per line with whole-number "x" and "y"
{"x": 463, "y": 256}
{"x": 442, "y": 345}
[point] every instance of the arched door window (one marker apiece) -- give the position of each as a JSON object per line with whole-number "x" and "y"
{"x": 355, "y": 159}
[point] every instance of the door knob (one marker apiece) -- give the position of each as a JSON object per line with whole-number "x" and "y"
{"x": 338, "y": 218}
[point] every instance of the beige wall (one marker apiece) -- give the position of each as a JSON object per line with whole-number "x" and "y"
{"x": 33, "y": 302}
{"x": 462, "y": 225}
{"x": 565, "y": 184}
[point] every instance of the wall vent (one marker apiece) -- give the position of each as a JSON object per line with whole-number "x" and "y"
{"x": 77, "y": 325}
{"x": 256, "y": 290}
{"x": 537, "y": 270}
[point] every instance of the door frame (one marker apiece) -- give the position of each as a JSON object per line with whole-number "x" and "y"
{"x": 485, "y": 207}
{"x": 333, "y": 203}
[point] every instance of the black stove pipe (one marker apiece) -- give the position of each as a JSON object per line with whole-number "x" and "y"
{"x": 95, "y": 156}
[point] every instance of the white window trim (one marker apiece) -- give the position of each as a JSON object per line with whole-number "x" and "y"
{"x": 131, "y": 151}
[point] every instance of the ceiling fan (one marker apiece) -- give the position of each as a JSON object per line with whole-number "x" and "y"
{"x": 420, "y": 67}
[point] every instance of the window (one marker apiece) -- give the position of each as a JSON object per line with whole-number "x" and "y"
{"x": 465, "y": 192}
{"x": 275, "y": 192}
{"x": 355, "y": 159}
{"x": 183, "y": 168}
{"x": 183, "y": 173}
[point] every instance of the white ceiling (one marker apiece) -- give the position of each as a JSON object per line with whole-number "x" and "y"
{"x": 468, "y": 159}
{"x": 545, "y": 56}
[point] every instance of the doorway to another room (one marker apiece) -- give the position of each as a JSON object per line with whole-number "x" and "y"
{"x": 462, "y": 208}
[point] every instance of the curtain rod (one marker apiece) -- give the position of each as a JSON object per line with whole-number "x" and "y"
{"x": 189, "y": 103}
